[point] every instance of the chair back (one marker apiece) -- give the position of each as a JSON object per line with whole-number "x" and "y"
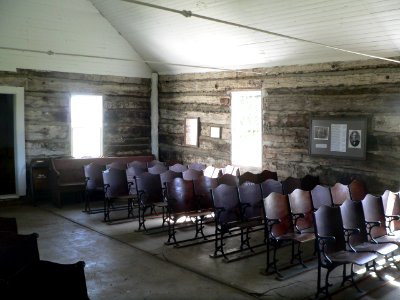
{"x": 131, "y": 172}
{"x": 248, "y": 177}
{"x": 321, "y": 195}
{"x": 180, "y": 196}
{"x": 115, "y": 182}
{"x": 271, "y": 185}
{"x": 229, "y": 169}
{"x": 357, "y": 190}
{"x": 374, "y": 212}
{"x": 353, "y": 217}
{"x": 116, "y": 165}
{"x": 276, "y": 207}
{"x": 157, "y": 169}
{"x": 178, "y": 168}
{"x": 229, "y": 179}
{"x": 94, "y": 176}
{"x": 149, "y": 188}
{"x": 301, "y": 203}
{"x": 290, "y": 184}
{"x": 328, "y": 222}
{"x": 138, "y": 164}
{"x": 202, "y": 190}
{"x": 191, "y": 174}
{"x": 154, "y": 162}
{"x": 197, "y": 166}
{"x": 169, "y": 176}
{"x": 339, "y": 192}
{"x": 308, "y": 182}
{"x": 226, "y": 204}
{"x": 266, "y": 174}
{"x": 250, "y": 197}
{"x": 391, "y": 206}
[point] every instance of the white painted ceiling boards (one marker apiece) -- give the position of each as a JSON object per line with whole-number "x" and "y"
{"x": 264, "y": 33}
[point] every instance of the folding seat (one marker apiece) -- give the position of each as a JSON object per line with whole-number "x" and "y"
{"x": 248, "y": 177}
{"x": 301, "y": 208}
{"x": 157, "y": 169}
{"x": 116, "y": 189}
{"x": 202, "y": 190}
{"x": 279, "y": 228}
{"x": 332, "y": 251}
{"x": 308, "y": 182}
{"x": 116, "y": 165}
{"x": 138, "y": 164}
{"x": 154, "y": 162}
{"x": 356, "y": 233}
{"x": 391, "y": 207}
{"x": 178, "y": 168}
{"x": 228, "y": 179}
{"x": 149, "y": 195}
{"x": 266, "y": 174}
{"x": 94, "y": 186}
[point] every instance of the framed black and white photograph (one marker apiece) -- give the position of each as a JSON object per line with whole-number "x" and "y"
{"x": 354, "y": 139}
{"x": 321, "y": 133}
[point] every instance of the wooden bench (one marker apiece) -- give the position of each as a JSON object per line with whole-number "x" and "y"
{"x": 67, "y": 176}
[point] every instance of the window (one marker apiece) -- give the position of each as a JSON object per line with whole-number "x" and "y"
{"x": 246, "y": 129}
{"x": 87, "y": 125}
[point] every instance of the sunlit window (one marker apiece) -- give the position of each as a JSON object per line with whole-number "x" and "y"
{"x": 246, "y": 129}
{"x": 87, "y": 125}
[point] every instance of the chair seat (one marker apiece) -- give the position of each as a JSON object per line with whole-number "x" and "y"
{"x": 359, "y": 258}
{"x": 388, "y": 239}
{"x": 382, "y": 249}
{"x": 299, "y": 237}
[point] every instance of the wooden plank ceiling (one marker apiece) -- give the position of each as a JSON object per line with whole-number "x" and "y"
{"x": 168, "y": 38}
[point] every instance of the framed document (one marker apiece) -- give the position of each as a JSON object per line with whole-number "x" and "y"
{"x": 192, "y": 131}
{"x": 340, "y": 137}
{"x": 215, "y": 132}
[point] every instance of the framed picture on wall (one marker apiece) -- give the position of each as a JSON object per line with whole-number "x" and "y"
{"x": 192, "y": 132}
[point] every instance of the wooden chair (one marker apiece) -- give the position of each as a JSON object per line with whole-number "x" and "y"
{"x": 321, "y": 195}
{"x": 391, "y": 207}
{"x": 228, "y": 179}
{"x": 155, "y": 162}
{"x": 357, "y": 190}
{"x": 339, "y": 192}
{"x": 271, "y": 185}
{"x": 279, "y": 228}
{"x": 229, "y": 169}
{"x": 302, "y": 209}
{"x": 377, "y": 223}
{"x": 168, "y": 176}
{"x": 209, "y": 171}
{"x": 157, "y": 169}
{"x": 290, "y": 184}
{"x": 332, "y": 250}
{"x": 8, "y": 224}
{"x": 197, "y": 166}
{"x": 191, "y": 174}
{"x": 131, "y": 172}
{"x": 250, "y": 197}
{"x": 202, "y": 190}
{"x": 308, "y": 182}
{"x": 179, "y": 168}
{"x": 150, "y": 195}
{"x": 94, "y": 186}
{"x": 227, "y": 209}
{"x": 182, "y": 203}
{"x": 356, "y": 233}
{"x": 116, "y": 188}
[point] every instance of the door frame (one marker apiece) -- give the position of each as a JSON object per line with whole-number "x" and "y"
{"x": 19, "y": 140}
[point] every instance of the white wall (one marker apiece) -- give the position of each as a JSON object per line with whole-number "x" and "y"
{"x": 72, "y": 27}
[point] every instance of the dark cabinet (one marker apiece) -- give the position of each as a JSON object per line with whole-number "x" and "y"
{"x": 39, "y": 173}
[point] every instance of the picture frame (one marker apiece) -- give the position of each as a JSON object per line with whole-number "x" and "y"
{"x": 215, "y": 132}
{"x": 192, "y": 132}
{"x": 338, "y": 137}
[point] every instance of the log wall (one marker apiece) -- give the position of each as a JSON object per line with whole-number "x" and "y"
{"x": 291, "y": 95}
{"x": 47, "y": 115}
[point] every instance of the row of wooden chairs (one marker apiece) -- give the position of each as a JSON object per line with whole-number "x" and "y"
{"x": 355, "y": 233}
{"x": 23, "y": 275}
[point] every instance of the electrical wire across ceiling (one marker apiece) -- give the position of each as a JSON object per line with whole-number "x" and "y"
{"x": 188, "y": 14}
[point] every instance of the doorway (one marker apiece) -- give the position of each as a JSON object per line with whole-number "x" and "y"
{"x": 12, "y": 143}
